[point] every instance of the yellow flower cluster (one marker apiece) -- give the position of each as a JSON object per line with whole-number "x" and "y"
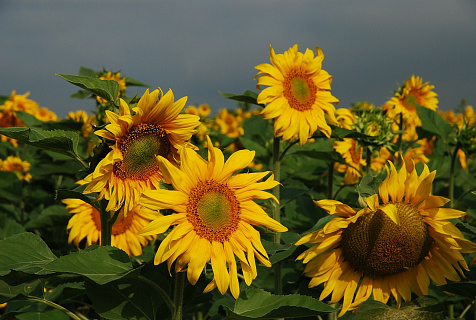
{"x": 18, "y": 166}
{"x": 15, "y": 103}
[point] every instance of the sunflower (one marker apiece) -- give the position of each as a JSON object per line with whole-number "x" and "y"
{"x": 394, "y": 246}
{"x": 18, "y": 166}
{"x": 298, "y": 95}
{"x": 352, "y": 154}
{"x": 413, "y": 92}
{"x": 156, "y": 128}
{"x": 86, "y": 224}
{"x": 214, "y": 214}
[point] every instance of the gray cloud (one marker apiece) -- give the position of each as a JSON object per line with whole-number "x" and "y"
{"x": 198, "y": 48}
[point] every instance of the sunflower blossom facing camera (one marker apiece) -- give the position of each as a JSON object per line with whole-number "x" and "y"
{"x": 131, "y": 167}
{"x": 86, "y": 224}
{"x": 18, "y": 166}
{"x": 298, "y": 95}
{"x": 214, "y": 217}
{"x": 413, "y": 92}
{"x": 394, "y": 246}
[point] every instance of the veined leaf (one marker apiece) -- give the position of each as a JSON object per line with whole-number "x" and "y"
{"x": 431, "y": 121}
{"x": 24, "y": 252}
{"x": 107, "y": 89}
{"x": 247, "y": 97}
{"x": 100, "y": 264}
{"x": 64, "y": 142}
{"x": 259, "y": 304}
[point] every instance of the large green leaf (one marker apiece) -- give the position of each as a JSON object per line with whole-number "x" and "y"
{"x": 9, "y": 227}
{"x": 433, "y": 122}
{"x": 259, "y": 304}
{"x": 127, "y": 298}
{"x": 100, "y": 264}
{"x": 49, "y": 217}
{"x": 464, "y": 289}
{"x": 24, "y": 252}
{"x": 247, "y": 97}
{"x": 61, "y": 141}
{"x": 107, "y": 89}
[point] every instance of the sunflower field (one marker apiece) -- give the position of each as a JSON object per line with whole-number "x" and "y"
{"x": 285, "y": 207}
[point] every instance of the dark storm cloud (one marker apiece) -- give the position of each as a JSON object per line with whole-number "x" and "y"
{"x": 198, "y": 48}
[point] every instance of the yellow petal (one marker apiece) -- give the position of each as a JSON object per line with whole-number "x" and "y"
{"x": 220, "y": 272}
{"x": 391, "y": 211}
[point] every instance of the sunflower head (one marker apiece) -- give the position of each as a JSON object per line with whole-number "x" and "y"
{"x": 155, "y": 127}
{"x": 298, "y": 95}
{"x": 214, "y": 216}
{"x": 375, "y": 124}
{"x": 18, "y": 166}
{"x": 393, "y": 246}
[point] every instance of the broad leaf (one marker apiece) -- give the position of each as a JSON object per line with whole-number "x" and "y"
{"x": 127, "y": 298}
{"x": 50, "y": 216}
{"x": 64, "y": 142}
{"x": 9, "y": 227}
{"x": 464, "y": 289}
{"x": 247, "y": 97}
{"x": 107, "y": 89}
{"x": 259, "y": 304}
{"x": 24, "y": 252}
{"x": 433, "y": 122}
{"x": 100, "y": 264}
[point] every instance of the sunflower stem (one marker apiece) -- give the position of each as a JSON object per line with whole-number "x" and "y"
{"x": 69, "y": 313}
{"x": 330, "y": 180}
{"x": 451, "y": 184}
{"x": 400, "y": 135}
{"x": 178, "y": 295}
{"x": 278, "y": 285}
{"x": 106, "y": 226}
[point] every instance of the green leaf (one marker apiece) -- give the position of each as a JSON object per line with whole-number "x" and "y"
{"x": 133, "y": 82}
{"x": 278, "y": 252}
{"x": 53, "y": 314}
{"x": 433, "y": 122}
{"x": 24, "y": 252}
{"x": 9, "y": 227}
{"x": 107, "y": 89}
{"x": 341, "y": 133}
{"x": 87, "y": 72}
{"x": 127, "y": 298}
{"x": 100, "y": 264}
{"x": 49, "y": 217}
{"x": 464, "y": 289}
{"x": 247, "y": 97}
{"x": 422, "y": 308}
{"x": 77, "y": 193}
{"x": 259, "y": 304}
{"x": 64, "y": 142}
{"x": 253, "y": 145}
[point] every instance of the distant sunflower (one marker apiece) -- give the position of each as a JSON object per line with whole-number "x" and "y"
{"x": 298, "y": 95}
{"x": 214, "y": 216}
{"x": 156, "y": 128}
{"x": 352, "y": 154}
{"x": 413, "y": 92}
{"x": 86, "y": 224}
{"x": 391, "y": 247}
{"x": 18, "y": 166}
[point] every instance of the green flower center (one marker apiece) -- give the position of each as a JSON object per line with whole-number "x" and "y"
{"x": 299, "y": 90}
{"x": 376, "y": 246}
{"x": 373, "y": 129}
{"x": 213, "y": 210}
{"x": 139, "y": 151}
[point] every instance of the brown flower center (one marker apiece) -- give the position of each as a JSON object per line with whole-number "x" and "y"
{"x": 213, "y": 210}
{"x": 376, "y": 246}
{"x": 299, "y": 90}
{"x": 139, "y": 151}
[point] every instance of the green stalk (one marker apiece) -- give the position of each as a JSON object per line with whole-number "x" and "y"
{"x": 106, "y": 226}
{"x": 178, "y": 295}
{"x": 452, "y": 176}
{"x": 161, "y": 292}
{"x": 70, "y": 314}
{"x": 400, "y": 135}
{"x": 278, "y": 284}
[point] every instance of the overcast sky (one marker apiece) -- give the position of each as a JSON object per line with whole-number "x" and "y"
{"x": 198, "y": 48}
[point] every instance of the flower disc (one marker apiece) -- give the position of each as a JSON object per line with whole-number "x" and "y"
{"x": 377, "y": 246}
{"x": 299, "y": 90}
{"x": 139, "y": 150}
